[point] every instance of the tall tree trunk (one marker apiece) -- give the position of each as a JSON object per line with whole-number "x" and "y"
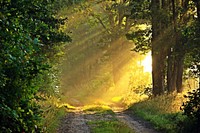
{"x": 180, "y": 53}
{"x": 171, "y": 63}
{"x": 174, "y": 16}
{"x": 157, "y": 58}
{"x": 198, "y": 15}
{"x": 157, "y": 73}
{"x": 198, "y": 9}
{"x": 171, "y": 73}
{"x": 179, "y": 80}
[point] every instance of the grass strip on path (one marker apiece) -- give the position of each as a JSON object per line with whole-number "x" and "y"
{"x": 104, "y": 121}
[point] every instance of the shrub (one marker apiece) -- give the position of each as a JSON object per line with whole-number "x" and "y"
{"x": 191, "y": 109}
{"x": 28, "y": 33}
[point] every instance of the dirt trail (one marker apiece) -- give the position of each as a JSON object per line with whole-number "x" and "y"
{"x": 135, "y": 123}
{"x": 76, "y": 122}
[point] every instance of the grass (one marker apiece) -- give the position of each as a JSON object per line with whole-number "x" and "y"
{"x": 52, "y": 114}
{"x": 163, "y": 112}
{"x": 98, "y": 108}
{"x": 107, "y": 122}
{"x": 111, "y": 126}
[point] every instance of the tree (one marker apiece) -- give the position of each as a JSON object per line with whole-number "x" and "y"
{"x": 167, "y": 42}
{"x": 157, "y": 53}
{"x": 28, "y": 32}
{"x": 191, "y": 108}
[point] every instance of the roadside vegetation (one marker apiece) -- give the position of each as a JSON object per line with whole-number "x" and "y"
{"x": 167, "y": 113}
{"x": 31, "y": 44}
{"x": 163, "y": 112}
{"x": 52, "y": 114}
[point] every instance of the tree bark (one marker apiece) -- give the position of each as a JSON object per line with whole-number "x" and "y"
{"x": 175, "y": 56}
{"x": 171, "y": 73}
{"x": 198, "y": 10}
{"x": 157, "y": 73}
{"x": 157, "y": 57}
{"x": 179, "y": 80}
{"x": 171, "y": 63}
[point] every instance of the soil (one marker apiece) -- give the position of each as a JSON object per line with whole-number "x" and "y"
{"x": 76, "y": 122}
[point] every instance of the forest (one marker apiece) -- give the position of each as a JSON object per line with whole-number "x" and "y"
{"x": 100, "y": 66}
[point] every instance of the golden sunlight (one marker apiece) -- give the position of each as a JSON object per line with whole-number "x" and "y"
{"x": 147, "y": 63}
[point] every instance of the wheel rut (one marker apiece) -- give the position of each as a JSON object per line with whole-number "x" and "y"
{"x": 135, "y": 123}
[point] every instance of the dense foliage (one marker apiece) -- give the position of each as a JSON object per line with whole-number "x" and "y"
{"x": 191, "y": 108}
{"x": 28, "y": 32}
{"x": 191, "y": 35}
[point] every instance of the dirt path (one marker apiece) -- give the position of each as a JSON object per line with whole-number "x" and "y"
{"x": 135, "y": 123}
{"x": 76, "y": 122}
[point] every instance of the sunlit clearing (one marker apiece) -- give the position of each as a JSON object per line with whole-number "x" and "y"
{"x": 147, "y": 63}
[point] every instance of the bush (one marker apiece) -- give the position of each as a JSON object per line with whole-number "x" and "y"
{"x": 191, "y": 109}
{"x": 28, "y": 33}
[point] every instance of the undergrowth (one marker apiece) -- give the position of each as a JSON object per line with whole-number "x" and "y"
{"x": 52, "y": 114}
{"x": 163, "y": 112}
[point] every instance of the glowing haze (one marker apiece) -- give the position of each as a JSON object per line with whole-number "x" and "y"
{"x": 99, "y": 70}
{"x": 147, "y": 63}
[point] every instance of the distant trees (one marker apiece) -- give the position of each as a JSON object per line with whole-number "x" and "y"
{"x": 28, "y": 33}
{"x": 58, "y": 4}
{"x": 124, "y": 14}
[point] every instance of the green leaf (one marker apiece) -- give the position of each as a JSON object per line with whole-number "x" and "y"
{"x": 35, "y": 41}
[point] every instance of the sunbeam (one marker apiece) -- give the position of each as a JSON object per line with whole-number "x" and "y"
{"x": 100, "y": 70}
